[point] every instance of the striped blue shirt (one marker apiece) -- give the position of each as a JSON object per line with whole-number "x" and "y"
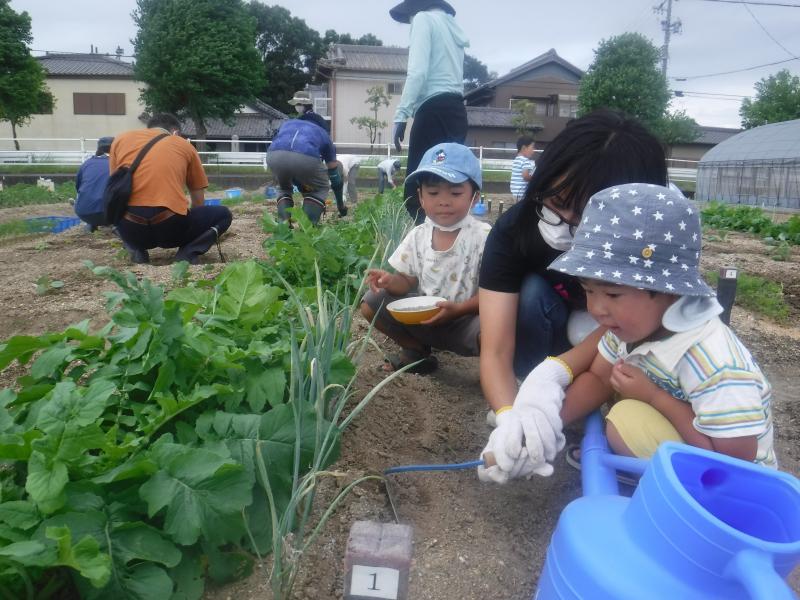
{"x": 710, "y": 368}
{"x": 518, "y": 183}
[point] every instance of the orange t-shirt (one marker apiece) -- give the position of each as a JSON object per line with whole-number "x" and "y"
{"x": 166, "y": 170}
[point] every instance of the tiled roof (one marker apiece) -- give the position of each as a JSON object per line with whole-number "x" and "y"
{"x": 715, "y": 135}
{"x": 485, "y": 116}
{"x": 246, "y": 126}
{"x": 383, "y": 59}
{"x": 266, "y": 109}
{"x": 549, "y": 56}
{"x": 85, "y": 65}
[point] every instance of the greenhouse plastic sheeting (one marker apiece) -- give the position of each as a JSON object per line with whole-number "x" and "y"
{"x": 760, "y": 167}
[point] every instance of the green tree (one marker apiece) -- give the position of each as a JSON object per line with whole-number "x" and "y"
{"x": 289, "y": 51}
{"x": 777, "y": 99}
{"x": 525, "y": 119}
{"x": 475, "y": 73}
{"x": 677, "y": 128}
{"x": 626, "y": 75}
{"x": 22, "y": 89}
{"x": 197, "y": 57}
{"x": 331, "y": 37}
{"x": 375, "y": 98}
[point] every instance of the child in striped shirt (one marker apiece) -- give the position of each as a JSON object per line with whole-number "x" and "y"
{"x": 522, "y": 167}
{"x": 675, "y": 371}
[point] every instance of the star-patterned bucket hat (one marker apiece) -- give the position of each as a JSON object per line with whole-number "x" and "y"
{"x": 640, "y": 235}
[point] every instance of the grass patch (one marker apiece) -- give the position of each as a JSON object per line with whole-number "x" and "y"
{"x": 762, "y": 296}
{"x": 38, "y": 169}
{"x": 19, "y": 227}
{"x": 25, "y": 194}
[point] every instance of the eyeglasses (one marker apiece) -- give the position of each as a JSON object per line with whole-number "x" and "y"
{"x": 551, "y": 217}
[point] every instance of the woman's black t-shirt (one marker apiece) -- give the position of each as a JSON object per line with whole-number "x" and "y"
{"x": 504, "y": 265}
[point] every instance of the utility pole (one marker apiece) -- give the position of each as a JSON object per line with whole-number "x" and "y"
{"x": 669, "y": 27}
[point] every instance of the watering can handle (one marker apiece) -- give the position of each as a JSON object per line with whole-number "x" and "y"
{"x": 755, "y": 572}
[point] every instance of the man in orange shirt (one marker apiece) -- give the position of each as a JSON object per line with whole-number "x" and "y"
{"x": 159, "y": 215}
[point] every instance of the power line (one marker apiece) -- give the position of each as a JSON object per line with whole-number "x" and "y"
{"x": 777, "y": 62}
{"x": 764, "y": 29}
{"x": 755, "y": 3}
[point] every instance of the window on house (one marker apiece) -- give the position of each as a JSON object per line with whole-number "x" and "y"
{"x": 394, "y": 87}
{"x": 567, "y": 109}
{"x": 98, "y": 104}
{"x": 539, "y": 107}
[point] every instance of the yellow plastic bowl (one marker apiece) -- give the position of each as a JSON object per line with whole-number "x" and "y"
{"x": 414, "y": 310}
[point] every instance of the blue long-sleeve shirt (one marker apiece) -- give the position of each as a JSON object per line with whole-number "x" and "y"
{"x": 306, "y": 138}
{"x": 91, "y": 183}
{"x": 435, "y": 61}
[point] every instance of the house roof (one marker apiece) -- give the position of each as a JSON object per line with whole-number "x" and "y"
{"x": 384, "y": 59}
{"x": 485, "y": 116}
{"x": 85, "y": 65}
{"x": 551, "y": 56}
{"x": 715, "y": 135}
{"x": 258, "y": 125}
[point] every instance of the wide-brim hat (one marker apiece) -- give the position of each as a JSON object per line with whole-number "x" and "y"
{"x": 452, "y": 162}
{"x": 301, "y": 98}
{"x": 403, "y": 12}
{"x": 639, "y": 235}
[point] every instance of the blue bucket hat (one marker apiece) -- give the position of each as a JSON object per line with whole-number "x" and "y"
{"x": 452, "y": 162}
{"x": 639, "y": 235}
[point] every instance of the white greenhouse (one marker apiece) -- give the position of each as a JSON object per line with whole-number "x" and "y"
{"x": 760, "y": 167}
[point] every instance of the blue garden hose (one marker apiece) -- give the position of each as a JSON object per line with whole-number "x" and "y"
{"x": 440, "y": 467}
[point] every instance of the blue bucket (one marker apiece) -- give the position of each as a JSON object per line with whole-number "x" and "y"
{"x": 213, "y": 201}
{"x": 270, "y": 192}
{"x": 233, "y": 193}
{"x": 51, "y": 224}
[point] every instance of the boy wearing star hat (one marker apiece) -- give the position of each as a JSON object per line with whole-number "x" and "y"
{"x": 678, "y": 373}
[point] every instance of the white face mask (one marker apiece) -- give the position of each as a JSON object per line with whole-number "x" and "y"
{"x": 556, "y": 236}
{"x": 453, "y": 227}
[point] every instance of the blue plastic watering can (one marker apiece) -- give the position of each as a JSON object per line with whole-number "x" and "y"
{"x": 700, "y": 525}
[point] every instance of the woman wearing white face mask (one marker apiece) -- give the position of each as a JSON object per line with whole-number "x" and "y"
{"x": 524, "y": 308}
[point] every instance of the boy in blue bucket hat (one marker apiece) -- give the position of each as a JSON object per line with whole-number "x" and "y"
{"x": 673, "y": 369}
{"x": 441, "y": 257}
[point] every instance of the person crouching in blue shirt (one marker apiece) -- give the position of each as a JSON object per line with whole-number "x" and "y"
{"x": 91, "y": 183}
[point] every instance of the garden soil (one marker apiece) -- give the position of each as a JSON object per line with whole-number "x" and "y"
{"x": 471, "y": 540}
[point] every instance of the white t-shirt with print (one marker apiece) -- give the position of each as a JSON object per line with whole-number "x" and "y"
{"x": 451, "y": 274}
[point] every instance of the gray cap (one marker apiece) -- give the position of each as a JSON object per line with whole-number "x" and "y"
{"x": 639, "y": 235}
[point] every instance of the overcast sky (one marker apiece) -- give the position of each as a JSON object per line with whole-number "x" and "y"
{"x": 717, "y": 36}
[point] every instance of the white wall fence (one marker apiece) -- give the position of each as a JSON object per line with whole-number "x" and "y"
{"x": 492, "y": 159}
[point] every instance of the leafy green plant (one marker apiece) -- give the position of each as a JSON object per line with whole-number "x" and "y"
{"x": 44, "y": 285}
{"x": 750, "y": 219}
{"x": 759, "y": 295}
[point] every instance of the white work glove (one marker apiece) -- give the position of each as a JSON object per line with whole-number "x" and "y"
{"x": 510, "y": 456}
{"x": 538, "y": 404}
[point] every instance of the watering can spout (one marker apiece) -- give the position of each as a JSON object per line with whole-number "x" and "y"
{"x": 755, "y": 572}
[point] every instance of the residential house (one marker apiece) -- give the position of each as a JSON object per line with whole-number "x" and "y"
{"x": 349, "y": 71}
{"x": 548, "y": 82}
{"x": 251, "y": 126}
{"x": 709, "y": 137}
{"x": 95, "y": 95}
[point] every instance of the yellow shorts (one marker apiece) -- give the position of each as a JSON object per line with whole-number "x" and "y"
{"x": 641, "y": 427}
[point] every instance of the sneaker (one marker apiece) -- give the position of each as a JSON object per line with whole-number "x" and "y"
{"x": 573, "y": 458}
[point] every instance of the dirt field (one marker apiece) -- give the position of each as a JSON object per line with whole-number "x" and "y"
{"x": 471, "y": 541}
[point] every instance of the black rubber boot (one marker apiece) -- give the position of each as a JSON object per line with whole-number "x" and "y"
{"x": 313, "y": 209}
{"x": 138, "y": 256}
{"x": 284, "y": 203}
{"x": 192, "y": 251}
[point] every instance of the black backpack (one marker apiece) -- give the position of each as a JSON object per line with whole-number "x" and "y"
{"x": 120, "y": 184}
